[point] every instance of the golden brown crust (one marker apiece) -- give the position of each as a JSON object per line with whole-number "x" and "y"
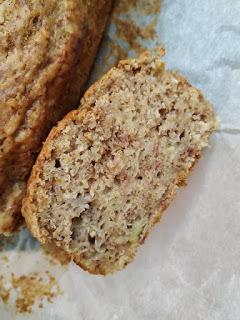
{"x": 99, "y": 270}
{"x": 41, "y": 80}
{"x": 166, "y": 202}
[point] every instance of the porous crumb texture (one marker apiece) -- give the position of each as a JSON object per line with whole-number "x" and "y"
{"x": 46, "y": 51}
{"x": 109, "y": 169}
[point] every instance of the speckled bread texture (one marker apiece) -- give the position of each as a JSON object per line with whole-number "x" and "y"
{"x": 47, "y": 49}
{"x": 109, "y": 169}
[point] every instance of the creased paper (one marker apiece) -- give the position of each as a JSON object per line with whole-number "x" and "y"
{"x": 189, "y": 266}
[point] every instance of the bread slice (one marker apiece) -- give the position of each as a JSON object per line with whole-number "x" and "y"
{"x": 47, "y": 49}
{"x": 109, "y": 169}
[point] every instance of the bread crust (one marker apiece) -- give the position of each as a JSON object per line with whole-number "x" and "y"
{"x": 35, "y": 94}
{"x": 29, "y": 208}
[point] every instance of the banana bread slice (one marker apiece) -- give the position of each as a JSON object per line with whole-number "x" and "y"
{"x": 47, "y": 49}
{"x": 109, "y": 169}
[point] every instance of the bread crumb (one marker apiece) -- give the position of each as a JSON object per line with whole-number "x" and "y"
{"x": 32, "y": 288}
{"x": 129, "y": 35}
{"x": 128, "y": 30}
{"x": 5, "y": 259}
{"x": 4, "y": 293}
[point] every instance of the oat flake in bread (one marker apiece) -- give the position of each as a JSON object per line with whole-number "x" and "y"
{"x": 46, "y": 52}
{"x": 109, "y": 169}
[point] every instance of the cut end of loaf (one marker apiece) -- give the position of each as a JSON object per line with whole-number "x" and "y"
{"x": 109, "y": 169}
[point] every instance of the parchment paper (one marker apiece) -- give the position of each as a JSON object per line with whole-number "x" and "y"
{"x": 189, "y": 267}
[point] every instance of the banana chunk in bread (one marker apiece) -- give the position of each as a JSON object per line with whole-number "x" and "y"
{"x": 109, "y": 169}
{"x": 46, "y": 52}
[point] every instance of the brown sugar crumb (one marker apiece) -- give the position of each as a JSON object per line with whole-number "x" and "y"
{"x": 33, "y": 288}
{"x": 4, "y": 293}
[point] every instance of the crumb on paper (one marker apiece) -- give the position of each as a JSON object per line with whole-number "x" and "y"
{"x": 32, "y": 289}
{"x": 4, "y": 292}
{"x": 4, "y": 259}
{"x": 128, "y": 34}
{"x": 128, "y": 30}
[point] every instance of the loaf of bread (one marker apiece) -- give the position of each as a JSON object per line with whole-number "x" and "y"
{"x": 109, "y": 169}
{"x": 46, "y": 52}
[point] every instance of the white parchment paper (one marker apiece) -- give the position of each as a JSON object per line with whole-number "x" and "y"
{"x": 189, "y": 267}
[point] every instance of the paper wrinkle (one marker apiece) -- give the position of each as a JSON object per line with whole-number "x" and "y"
{"x": 188, "y": 268}
{"x": 230, "y": 131}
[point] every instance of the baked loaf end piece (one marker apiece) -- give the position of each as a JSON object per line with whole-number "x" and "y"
{"x": 109, "y": 169}
{"x": 47, "y": 49}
